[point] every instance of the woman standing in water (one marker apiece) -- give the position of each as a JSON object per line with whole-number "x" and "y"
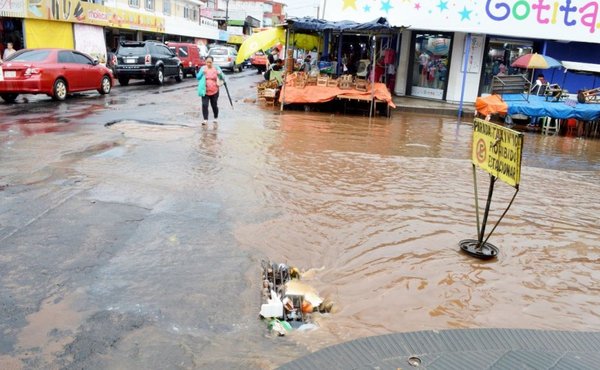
{"x": 210, "y": 78}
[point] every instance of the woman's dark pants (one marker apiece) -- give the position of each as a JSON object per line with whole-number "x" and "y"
{"x": 213, "y": 103}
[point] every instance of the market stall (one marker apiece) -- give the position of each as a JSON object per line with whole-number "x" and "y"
{"x": 340, "y": 76}
{"x": 537, "y": 106}
{"x": 350, "y": 58}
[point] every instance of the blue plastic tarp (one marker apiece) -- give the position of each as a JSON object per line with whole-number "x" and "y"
{"x": 537, "y": 106}
{"x": 308, "y": 24}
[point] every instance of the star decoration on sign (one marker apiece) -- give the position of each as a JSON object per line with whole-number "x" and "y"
{"x": 367, "y": 8}
{"x": 386, "y": 6}
{"x": 443, "y": 5}
{"x": 418, "y": 6}
{"x": 465, "y": 14}
{"x": 349, "y": 4}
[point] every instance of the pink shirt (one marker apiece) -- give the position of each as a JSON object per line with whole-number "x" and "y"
{"x": 211, "y": 75}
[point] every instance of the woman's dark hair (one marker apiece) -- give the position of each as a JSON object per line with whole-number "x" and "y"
{"x": 209, "y": 57}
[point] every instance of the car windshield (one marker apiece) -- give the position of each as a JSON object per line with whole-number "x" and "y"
{"x": 217, "y": 52}
{"x": 128, "y": 50}
{"x": 29, "y": 56}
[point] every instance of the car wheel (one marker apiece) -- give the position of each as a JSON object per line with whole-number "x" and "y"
{"x": 9, "y": 98}
{"x": 179, "y": 76}
{"x": 105, "y": 85}
{"x": 59, "y": 92}
{"x": 123, "y": 81}
{"x": 160, "y": 76}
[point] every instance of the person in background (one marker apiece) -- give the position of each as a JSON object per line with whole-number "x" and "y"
{"x": 277, "y": 67}
{"x": 209, "y": 79}
{"x": 307, "y": 64}
{"x": 272, "y": 56}
{"x": 9, "y": 50}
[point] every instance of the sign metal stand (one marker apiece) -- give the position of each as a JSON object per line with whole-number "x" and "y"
{"x": 498, "y": 151}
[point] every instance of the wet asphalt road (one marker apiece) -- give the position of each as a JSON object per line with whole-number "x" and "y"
{"x": 105, "y": 270}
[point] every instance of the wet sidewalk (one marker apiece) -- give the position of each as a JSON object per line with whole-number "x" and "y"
{"x": 420, "y": 105}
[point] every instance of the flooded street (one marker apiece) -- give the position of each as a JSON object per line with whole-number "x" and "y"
{"x": 131, "y": 237}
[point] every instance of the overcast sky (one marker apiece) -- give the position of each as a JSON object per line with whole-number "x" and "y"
{"x": 301, "y": 8}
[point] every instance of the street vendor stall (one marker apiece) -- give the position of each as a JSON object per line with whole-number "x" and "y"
{"x": 320, "y": 79}
{"x": 357, "y": 85}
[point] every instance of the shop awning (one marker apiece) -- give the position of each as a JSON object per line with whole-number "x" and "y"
{"x": 581, "y": 67}
{"x": 308, "y": 24}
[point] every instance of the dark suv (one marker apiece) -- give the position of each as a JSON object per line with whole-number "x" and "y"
{"x": 151, "y": 61}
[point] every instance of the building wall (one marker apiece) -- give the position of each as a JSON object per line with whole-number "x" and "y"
{"x": 455, "y": 76}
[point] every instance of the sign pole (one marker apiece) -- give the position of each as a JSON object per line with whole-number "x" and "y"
{"x": 479, "y": 236}
{"x": 487, "y": 210}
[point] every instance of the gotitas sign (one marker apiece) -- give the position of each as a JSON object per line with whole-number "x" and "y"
{"x": 497, "y": 150}
{"x": 574, "y": 20}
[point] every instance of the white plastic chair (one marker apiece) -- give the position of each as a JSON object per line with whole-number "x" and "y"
{"x": 361, "y": 71}
{"x": 550, "y": 126}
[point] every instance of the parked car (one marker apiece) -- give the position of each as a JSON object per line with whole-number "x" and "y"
{"x": 259, "y": 61}
{"x": 55, "y": 72}
{"x": 189, "y": 54}
{"x": 224, "y": 57}
{"x": 111, "y": 60}
{"x": 149, "y": 60}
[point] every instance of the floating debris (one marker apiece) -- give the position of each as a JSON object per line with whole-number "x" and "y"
{"x": 288, "y": 302}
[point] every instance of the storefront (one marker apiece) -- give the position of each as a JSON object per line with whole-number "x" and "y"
{"x": 430, "y": 57}
{"x": 48, "y": 34}
{"x": 88, "y": 27}
{"x": 11, "y": 24}
{"x": 469, "y": 55}
{"x": 498, "y": 56}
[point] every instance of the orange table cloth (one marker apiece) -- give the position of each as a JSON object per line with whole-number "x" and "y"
{"x": 322, "y": 94}
{"x": 492, "y": 104}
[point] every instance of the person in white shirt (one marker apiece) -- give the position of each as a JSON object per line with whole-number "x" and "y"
{"x": 9, "y": 50}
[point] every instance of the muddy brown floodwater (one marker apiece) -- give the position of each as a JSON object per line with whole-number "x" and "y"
{"x": 380, "y": 208}
{"x": 167, "y": 225}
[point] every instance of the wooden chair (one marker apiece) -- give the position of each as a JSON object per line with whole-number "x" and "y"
{"x": 332, "y": 82}
{"x": 300, "y": 80}
{"x": 322, "y": 81}
{"x": 361, "y": 85}
{"x": 345, "y": 82}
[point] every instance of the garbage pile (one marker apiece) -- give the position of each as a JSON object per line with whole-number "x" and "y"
{"x": 289, "y": 303}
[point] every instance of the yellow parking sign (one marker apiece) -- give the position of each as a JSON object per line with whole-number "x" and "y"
{"x": 497, "y": 150}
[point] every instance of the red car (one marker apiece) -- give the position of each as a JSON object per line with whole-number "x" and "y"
{"x": 55, "y": 72}
{"x": 189, "y": 54}
{"x": 259, "y": 61}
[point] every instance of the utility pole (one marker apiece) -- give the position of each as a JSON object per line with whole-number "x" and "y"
{"x": 318, "y": 11}
{"x": 226, "y": 14}
{"x": 324, "y": 6}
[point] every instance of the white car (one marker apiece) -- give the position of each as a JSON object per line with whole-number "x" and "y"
{"x": 224, "y": 57}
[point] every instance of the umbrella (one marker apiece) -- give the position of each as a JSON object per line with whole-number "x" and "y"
{"x": 260, "y": 41}
{"x": 306, "y": 42}
{"x": 264, "y": 40}
{"x": 535, "y": 61}
{"x": 228, "y": 95}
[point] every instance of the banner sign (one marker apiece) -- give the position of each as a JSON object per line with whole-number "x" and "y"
{"x": 570, "y": 20}
{"x": 497, "y": 150}
{"x": 12, "y": 8}
{"x": 77, "y": 11}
